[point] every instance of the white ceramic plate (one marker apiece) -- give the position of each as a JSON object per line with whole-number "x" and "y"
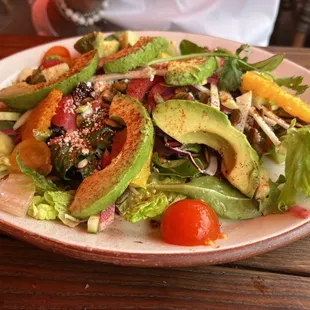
{"x": 139, "y": 244}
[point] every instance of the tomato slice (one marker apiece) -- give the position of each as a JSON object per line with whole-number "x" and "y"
{"x": 34, "y": 154}
{"x": 166, "y": 92}
{"x": 118, "y": 142}
{"x": 189, "y": 222}
{"x": 65, "y": 115}
{"x": 57, "y": 51}
{"x": 137, "y": 88}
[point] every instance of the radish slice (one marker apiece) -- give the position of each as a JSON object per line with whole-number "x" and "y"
{"x": 215, "y": 99}
{"x": 106, "y": 217}
{"x": 266, "y": 129}
{"x": 300, "y": 212}
{"x": 22, "y": 120}
{"x": 16, "y": 193}
{"x": 244, "y": 103}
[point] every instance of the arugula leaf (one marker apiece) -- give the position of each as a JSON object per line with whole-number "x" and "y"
{"x": 230, "y": 75}
{"x": 224, "y": 199}
{"x": 188, "y": 47}
{"x": 297, "y": 165}
{"x": 244, "y": 48}
{"x": 269, "y": 64}
{"x": 293, "y": 83}
{"x": 41, "y": 183}
{"x": 177, "y": 167}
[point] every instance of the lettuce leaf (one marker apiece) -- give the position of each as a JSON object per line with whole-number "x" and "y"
{"x": 293, "y": 83}
{"x": 41, "y": 183}
{"x": 297, "y": 165}
{"x": 40, "y": 210}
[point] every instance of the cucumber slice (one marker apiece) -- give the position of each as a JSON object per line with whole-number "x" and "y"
{"x": 93, "y": 224}
{"x": 9, "y": 116}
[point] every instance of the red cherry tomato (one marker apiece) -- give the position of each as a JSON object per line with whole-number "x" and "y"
{"x": 106, "y": 159}
{"x": 65, "y": 115}
{"x": 189, "y": 222}
{"x": 118, "y": 142}
{"x": 166, "y": 92}
{"x": 57, "y": 51}
{"x": 51, "y": 63}
{"x": 137, "y": 88}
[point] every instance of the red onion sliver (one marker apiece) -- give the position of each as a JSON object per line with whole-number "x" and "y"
{"x": 10, "y": 132}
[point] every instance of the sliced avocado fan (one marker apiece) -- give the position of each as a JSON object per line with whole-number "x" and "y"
{"x": 102, "y": 188}
{"x": 194, "y": 122}
{"x": 138, "y": 55}
{"x": 23, "y": 96}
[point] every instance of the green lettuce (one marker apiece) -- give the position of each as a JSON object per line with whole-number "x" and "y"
{"x": 297, "y": 166}
{"x": 53, "y": 205}
{"x": 41, "y": 183}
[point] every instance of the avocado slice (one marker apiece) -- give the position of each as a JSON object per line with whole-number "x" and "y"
{"x": 23, "y": 96}
{"x": 190, "y": 71}
{"x": 102, "y": 188}
{"x": 194, "y": 122}
{"x": 96, "y": 41}
{"x": 139, "y": 55}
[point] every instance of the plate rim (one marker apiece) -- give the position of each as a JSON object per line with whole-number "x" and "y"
{"x": 157, "y": 259}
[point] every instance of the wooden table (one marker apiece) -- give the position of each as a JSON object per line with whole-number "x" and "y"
{"x": 34, "y": 279}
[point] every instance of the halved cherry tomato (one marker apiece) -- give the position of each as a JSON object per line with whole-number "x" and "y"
{"x": 106, "y": 159}
{"x": 189, "y": 222}
{"x": 34, "y": 154}
{"x": 166, "y": 92}
{"x": 51, "y": 63}
{"x": 118, "y": 142}
{"x": 57, "y": 51}
{"x": 65, "y": 115}
{"x": 137, "y": 88}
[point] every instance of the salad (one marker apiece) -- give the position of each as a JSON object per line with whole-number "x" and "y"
{"x": 142, "y": 129}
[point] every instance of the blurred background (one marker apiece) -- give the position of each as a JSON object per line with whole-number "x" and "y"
{"x": 264, "y": 22}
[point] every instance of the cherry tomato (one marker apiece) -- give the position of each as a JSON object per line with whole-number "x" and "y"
{"x": 57, "y": 51}
{"x": 34, "y": 154}
{"x": 137, "y": 88}
{"x": 65, "y": 115}
{"x": 166, "y": 92}
{"x": 118, "y": 142}
{"x": 189, "y": 222}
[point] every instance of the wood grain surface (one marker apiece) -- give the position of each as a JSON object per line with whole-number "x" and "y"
{"x": 34, "y": 279}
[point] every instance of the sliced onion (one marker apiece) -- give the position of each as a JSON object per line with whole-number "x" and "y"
{"x": 212, "y": 168}
{"x": 106, "y": 217}
{"x": 202, "y": 89}
{"x": 191, "y": 158}
{"x": 16, "y": 193}
{"x": 266, "y": 129}
{"x": 22, "y": 120}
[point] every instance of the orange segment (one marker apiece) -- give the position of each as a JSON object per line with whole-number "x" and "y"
{"x": 34, "y": 154}
{"x": 264, "y": 88}
{"x": 40, "y": 118}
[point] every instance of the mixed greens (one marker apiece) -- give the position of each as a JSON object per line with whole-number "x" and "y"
{"x": 147, "y": 124}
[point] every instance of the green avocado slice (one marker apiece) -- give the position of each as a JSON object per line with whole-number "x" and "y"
{"x": 102, "y": 188}
{"x": 23, "y": 96}
{"x": 138, "y": 55}
{"x": 194, "y": 122}
{"x": 95, "y": 41}
{"x": 190, "y": 71}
